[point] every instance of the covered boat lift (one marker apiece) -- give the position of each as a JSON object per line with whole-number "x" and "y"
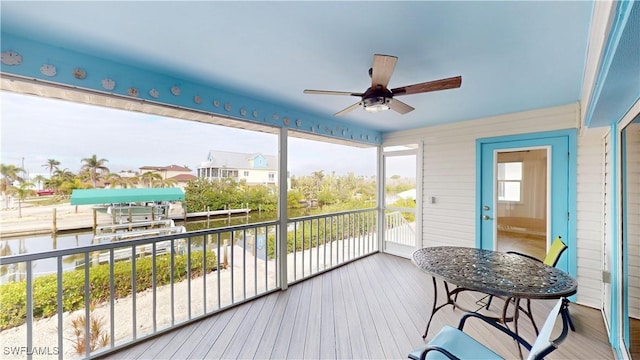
{"x": 117, "y": 196}
{"x": 119, "y": 203}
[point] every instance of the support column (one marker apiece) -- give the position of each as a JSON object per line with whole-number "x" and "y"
{"x": 282, "y": 206}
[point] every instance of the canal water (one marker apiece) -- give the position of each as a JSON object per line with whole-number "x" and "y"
{"x": 46, "y": 243}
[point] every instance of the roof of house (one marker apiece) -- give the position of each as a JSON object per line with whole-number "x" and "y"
{"x": 237, "y": 160}
{"x": 183, "y": 177}
{"x": 165, "y": 168}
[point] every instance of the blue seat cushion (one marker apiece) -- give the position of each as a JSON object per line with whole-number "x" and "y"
{"x": 456, "y": 342}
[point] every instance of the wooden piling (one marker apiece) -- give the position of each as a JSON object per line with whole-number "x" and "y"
{"x": 95, "y": 220}
{"x": 225, "y": 263}
{"x": 54, "y": 229}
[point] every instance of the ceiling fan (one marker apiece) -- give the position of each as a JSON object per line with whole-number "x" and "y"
{"x": 379, "y": 98}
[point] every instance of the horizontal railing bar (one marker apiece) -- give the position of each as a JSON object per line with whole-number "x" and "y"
{"x": 328, "y": 215}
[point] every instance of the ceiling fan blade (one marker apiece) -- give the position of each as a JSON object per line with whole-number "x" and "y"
{"x": 442, "y": 84}
{"x": 350, "y": 108}
{"x": 382, "y": 69}
{"x": 326, "y": 92}
{"x": 400, "y": 107}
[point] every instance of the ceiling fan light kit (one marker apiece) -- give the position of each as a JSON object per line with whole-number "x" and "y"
{"x": 376, "y": 104}
{"x": 379, "y": 98}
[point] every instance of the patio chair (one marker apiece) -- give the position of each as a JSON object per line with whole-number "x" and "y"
{"x": 551, "y": 259}
{"x": 453, "y": 343}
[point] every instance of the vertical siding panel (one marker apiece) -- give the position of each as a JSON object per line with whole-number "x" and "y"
{"x": 590, "y": 217}
{"x": 607, "y": 211}
{"x": 449, "y": 175}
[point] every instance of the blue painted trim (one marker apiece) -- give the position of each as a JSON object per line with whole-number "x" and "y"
{"x": 212, "y": 100}
{"x": 614, "y": 336}
{"x": 571, "y": 135}
{"x": 528, "y": 136}
{"x": 573, "y": 201}
{"x": 623, "y": 10}
{"x": 478, "y": 192}
{"x": 624, "y": 239}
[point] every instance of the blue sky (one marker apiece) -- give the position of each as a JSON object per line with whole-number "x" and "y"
{"x": 34, "y": 129}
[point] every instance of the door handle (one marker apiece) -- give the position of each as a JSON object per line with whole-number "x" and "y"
{"x": 486, "y": 217}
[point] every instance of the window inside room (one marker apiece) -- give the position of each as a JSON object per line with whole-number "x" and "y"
{"x": 510, "y": 181}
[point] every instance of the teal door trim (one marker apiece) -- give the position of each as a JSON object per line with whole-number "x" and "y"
{"x": 624, "y": 238}
{"x": 614, "y": 329}
{"x": 571, "y": 137}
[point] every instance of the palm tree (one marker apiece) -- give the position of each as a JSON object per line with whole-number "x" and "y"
{"x": 129, "y": 182}
{"x": 95, "y": 166}
{"x": 40, "y": 180}
{"x": 164, "y": 183}
{"x": 22, "y": 191}
{"x": 123, "y": 182}
{"x": 9, "y": 176}
{"x": 113, "y": 179}
{"x": 52, "y": 164}
{"x": 63, "y": 174}
{"x": 150, "y": 177}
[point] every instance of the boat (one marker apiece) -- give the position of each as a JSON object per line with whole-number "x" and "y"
{"x": 138, "y": 230}
{"x": 133, "y": 212}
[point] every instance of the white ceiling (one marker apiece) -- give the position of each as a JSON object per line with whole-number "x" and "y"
{"x": 512, "y": 55}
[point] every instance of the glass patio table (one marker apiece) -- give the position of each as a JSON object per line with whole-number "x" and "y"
{"x": 508, "y": 276}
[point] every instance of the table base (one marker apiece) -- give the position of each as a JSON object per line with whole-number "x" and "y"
{"x": 451, "y": 296}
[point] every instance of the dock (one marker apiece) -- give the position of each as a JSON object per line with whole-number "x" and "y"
{"x": 213, "y": 214}
{"x": 73, "y": 219}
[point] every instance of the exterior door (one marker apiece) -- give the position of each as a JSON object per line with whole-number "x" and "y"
{"x": 400, "y": 199}
{"x": 524, "y": 199}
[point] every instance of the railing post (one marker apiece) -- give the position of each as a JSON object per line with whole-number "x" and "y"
{"x": 380, "y": 206}
{"x": 282, "y": 207}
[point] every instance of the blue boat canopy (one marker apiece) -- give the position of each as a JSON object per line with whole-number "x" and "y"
{"x": 114, "y": 196}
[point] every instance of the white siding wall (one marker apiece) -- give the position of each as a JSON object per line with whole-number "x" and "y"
{"x": 590, "y": 220}
{"x": 607, "y": 211}
{"x": 449, "y": 175}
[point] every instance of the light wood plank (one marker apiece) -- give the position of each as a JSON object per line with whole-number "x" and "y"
{"x": 328, "y": 348}
{"x": 300, "y": 322}
{"x": 254, "y": 336}
{"x": 343, "y": 342}
{"x": 314, "y": 326}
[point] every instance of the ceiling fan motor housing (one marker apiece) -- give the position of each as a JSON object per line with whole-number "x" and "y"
{"x": 376, "y": 99}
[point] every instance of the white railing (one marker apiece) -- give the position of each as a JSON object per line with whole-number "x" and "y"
{"x": 162, "y": 282}
{"x": 323, "y": 242}
{"x": 398, "y": 230}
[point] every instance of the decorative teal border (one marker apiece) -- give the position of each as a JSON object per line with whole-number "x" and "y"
{"x": 81, "y": 71}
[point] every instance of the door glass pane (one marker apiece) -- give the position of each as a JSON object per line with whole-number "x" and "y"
{"x": 521, "y": 198}
{"x": 400, "y": 199}
{"x": 631, "y": 234}
{"x": 400, "y": 181}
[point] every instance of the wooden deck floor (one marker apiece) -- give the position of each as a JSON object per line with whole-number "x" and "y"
{"x": 374, "y": 308}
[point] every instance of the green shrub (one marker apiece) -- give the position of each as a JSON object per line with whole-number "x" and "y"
{"x": 13, "y": 298}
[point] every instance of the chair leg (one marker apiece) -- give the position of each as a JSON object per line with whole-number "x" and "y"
{"x": 489, "y": 302}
